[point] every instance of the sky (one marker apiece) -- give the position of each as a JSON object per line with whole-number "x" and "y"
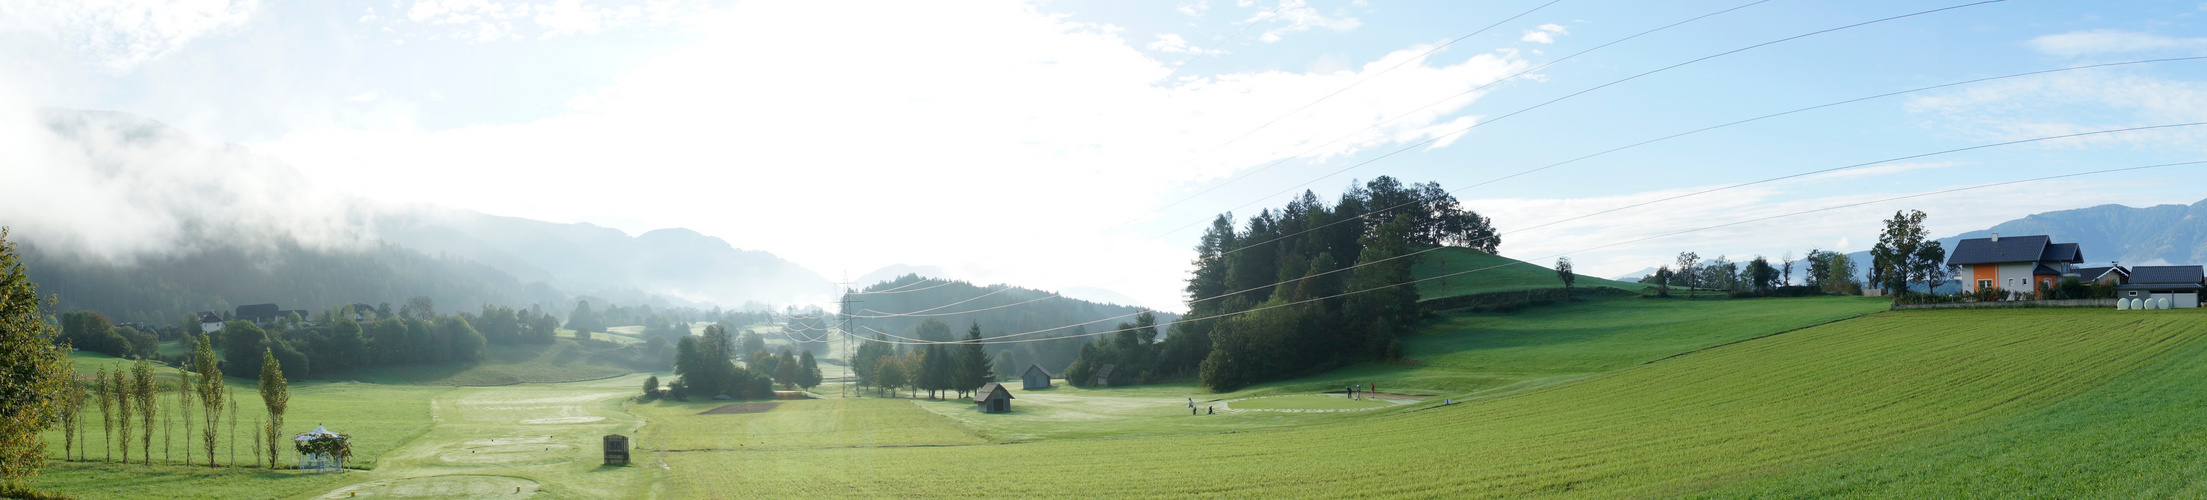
{"x": 1083, "y": 144}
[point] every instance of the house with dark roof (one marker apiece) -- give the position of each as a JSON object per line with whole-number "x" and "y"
{"x": 993, "y": 398}
{"x": 2112, "y": 275}
{"x": 1036, "y": 377}
{"x": 209, "y": 322}
{"x": 2181, "y": 285}
{"x": 2017, "y": 263}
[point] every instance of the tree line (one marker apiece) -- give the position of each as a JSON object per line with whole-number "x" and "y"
{"x": 706, "y": 366}
{"x": 937, "y": 366}
{"x": 1280, "y": 268}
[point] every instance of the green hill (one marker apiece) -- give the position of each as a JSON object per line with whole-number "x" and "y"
{"x": 566, "y": 360}
{"x": 1505, "y": 275}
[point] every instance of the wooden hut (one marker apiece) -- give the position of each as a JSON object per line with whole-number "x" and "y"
{"x": 993, "y": 398}
{"x": 1103, "y": 376}
{"x": 1035, "y": 378}
{"x": 616, "y": 449}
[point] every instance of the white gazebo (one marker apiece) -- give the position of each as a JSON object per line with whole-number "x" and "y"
{"x": 322, "y": 450}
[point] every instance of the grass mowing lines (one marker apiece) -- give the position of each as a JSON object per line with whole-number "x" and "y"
{"x": 564, "y": 360}
{"x": 2135, "y": 436}
{"x": 1727, "y": 414}
{"x": 811, "y": 423}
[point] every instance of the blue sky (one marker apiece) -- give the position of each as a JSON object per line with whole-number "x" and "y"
{"x": 1010, "y": 141}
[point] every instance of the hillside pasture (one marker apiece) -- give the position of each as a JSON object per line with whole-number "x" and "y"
{"x": 1730, "y": 413}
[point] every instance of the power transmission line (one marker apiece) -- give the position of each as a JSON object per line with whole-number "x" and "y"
{"x": 1456, "y": 132}
{"x": 1406, "y": 114}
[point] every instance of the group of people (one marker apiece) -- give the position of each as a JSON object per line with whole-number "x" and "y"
{"x": 1207, "y": 410}
{"x": 1368, "y": 388}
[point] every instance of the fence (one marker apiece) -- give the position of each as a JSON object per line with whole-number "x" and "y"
{"x": 2011, "y": 304}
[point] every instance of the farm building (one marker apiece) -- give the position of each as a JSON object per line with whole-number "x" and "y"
{"x": 1035, "y": 378}
{"x": 2180, "y": 284}
{"x": 1103, "y": 376}
{"x": 616, "y": 449}
{"x": 2018, "y": 263}
{"x": 993, "y": 398}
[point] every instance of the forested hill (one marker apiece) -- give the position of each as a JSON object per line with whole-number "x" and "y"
{"x": 998, "y": 309}
{"x": 161, "y": 289}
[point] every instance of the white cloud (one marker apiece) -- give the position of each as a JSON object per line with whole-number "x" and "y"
{"x": 1299, "y": 16}
{"x": 1545, "y": 33}
{"x": 492, "y": 20}
{"x": 2077, "y": 43}
{"x": 117, "y": 36}
{"x": 959, "y": 120}
{"x": 2075, "y": 103}
{"x": 1195, "y": 8}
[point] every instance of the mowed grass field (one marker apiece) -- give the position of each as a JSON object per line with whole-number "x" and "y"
{"x": 379, "y": 417}
{"x": 1730, "y": 416}
{"x": 1459, "y": 356}
{"x": 1506, "y": 274}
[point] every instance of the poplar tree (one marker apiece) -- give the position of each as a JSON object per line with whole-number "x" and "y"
{"x": 277, "y": 395}
{"x": 184, "y": 389}
{"x": 233, "y": 427}
{"x": 210, "y": 392}
{"x": 119, "y": 386}
{"x": 107, "y": 413}
{"x": 149, "y": 406}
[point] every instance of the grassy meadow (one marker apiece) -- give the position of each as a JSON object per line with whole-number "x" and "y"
{"x": 1809, "y": 397}
{"x": 1505, "y": 275}
{"x": 1770, "y": 407}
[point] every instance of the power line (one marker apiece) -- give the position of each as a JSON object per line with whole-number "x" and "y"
{"x": 1612, "y": 210}
{"x": 1368, "y": 78}
{"x": 1714, "y": 127}
{"x": 1406, "y": 114}
{"x": 1456, "y": 132}
{"x": 1413, "y": 146}
{"x": 1482, "y": 269}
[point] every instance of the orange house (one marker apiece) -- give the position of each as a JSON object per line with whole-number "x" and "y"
{"x": 2018, "y": 263}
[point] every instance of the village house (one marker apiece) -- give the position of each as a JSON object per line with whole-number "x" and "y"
{"x": 1035, "y": 378}
{"x": 209, "y": 322}
{"x": 993, "y": 398}
{"x": 2018, "y": 263}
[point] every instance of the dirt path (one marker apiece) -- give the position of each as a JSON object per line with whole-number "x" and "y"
{"x": 513, "y": 442}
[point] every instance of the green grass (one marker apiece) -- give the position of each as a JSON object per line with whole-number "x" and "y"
{"x": 1727, "y": 414}
{"x": 1307, "y": 402}
{"x": 814, "y": 423}
{"x": 2135, "y": 437}
{"x": 1506, "y": 275}
{"x": 1461, "y": 356}
{"x": 564, "y": 360}
{"x": 379, "y": 417}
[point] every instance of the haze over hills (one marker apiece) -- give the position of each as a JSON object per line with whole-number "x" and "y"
{"x": 165, "y": 222}
{"x": 675, "y": 262}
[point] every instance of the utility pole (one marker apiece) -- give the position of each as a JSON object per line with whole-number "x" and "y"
{"x": 843, "y": 329}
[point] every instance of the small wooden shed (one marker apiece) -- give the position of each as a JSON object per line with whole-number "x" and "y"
{"x": 1103, "y": 377}
{"x": 616, "y": 449}
{"x": 993, "y": 398}
{"x": 1035, "y": 378}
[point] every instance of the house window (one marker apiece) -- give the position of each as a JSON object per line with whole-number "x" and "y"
{"x": 1984, "y": 284}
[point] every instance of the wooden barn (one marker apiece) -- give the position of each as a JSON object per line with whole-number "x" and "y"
{"x": 616, "y": 449}
{"x": 993, "y": 398}
{"x": 1035, "y": 378}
